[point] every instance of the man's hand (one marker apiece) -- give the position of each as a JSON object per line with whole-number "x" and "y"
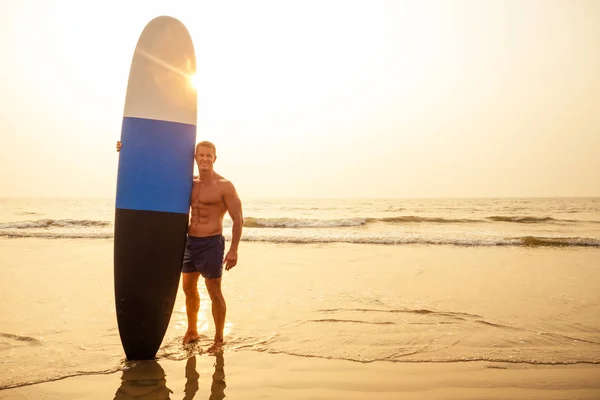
{"x": 119, "y": 145}
{"x": 230, "y": 259}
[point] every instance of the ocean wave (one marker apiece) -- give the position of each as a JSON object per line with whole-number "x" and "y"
{"x": 55, "y": 235}
{"x": 525, "y": 241}
{"x": 419, "y": 311}
{"x": 522, "y": 241}
{"x": 251, "y": 222}
{"x": 292, "y": 223}
{"x": 536, "y": 241}
{"x": 61, "y": 376}
{"x": 53, "y": 223}
{"x": 411, "y": 218}
{"x": 353, "y": 321}
{"x": 527, "y": 219}
{"x": 397, "y": 358}
{"x": 19, "y": 338}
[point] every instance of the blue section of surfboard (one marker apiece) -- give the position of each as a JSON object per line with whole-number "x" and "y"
{"x": 154, "y": 184}
{"x": 155, "y": 164}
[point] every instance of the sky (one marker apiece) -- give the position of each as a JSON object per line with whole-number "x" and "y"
{"x": 318, "y": 98}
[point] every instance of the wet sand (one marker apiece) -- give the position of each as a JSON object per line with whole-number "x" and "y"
{"x": 493, "y": 303}
{"x": 251, "y": 375}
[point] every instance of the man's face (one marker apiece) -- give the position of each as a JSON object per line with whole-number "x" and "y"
{"x": 205, "y": 157}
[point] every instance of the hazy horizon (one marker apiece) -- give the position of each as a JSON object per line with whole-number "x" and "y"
{"x": 335, "y": 99}
{"x": 328, "y": 198}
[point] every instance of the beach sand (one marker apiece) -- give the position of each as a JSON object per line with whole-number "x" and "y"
{"x": 58, "y": 305}
{"x": 248, "y": 375}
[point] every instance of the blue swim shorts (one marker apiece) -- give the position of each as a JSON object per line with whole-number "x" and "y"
{"x": 204, "y": 255}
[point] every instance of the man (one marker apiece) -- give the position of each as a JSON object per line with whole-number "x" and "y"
{"x": 212, "y": 196}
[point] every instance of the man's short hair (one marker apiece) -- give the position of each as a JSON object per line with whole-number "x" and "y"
{"x": 206, "y": 143}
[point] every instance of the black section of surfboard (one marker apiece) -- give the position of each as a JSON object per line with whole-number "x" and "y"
{"x": 148, "y": 256}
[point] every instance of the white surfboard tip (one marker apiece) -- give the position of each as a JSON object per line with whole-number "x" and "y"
{"x": 162, "y": 72}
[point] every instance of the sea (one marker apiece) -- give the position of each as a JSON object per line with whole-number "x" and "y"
{"x": 501, "y": 280}
{"x": 461, "y": 222}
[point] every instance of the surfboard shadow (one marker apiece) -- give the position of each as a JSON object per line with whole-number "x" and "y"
{"x": 143, "y": 380}
{"x": 146, "y": 380}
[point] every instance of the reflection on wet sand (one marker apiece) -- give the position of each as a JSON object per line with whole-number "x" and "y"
{"x": 217, "y": 388}
{"x": 191, "y": 379}
{"x": 143, "y": 380}
{"x": 146, "y": 380}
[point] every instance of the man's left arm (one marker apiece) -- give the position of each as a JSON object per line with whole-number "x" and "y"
{"x": 234, "y": 208}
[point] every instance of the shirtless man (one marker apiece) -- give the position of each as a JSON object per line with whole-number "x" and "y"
{"x": 212, "y": 196}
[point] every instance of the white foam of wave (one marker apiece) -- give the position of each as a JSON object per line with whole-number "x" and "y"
{"x": 251, "y": 222}
{"x": 50, "y": 223}
{"x": 353, "y": 238}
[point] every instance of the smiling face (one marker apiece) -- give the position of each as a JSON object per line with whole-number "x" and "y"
{"x": 205, "y": 156}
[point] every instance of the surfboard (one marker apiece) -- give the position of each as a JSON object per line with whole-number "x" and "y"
{"x": 154, "y": 184}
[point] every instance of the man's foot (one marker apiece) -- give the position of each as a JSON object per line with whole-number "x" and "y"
{"x": 215, "y": 348}
{"x": 190, "y": 336}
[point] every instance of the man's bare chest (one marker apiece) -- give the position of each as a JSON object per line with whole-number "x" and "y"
{"x": 206, "y": 195}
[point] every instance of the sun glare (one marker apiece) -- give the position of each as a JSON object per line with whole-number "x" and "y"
{"x": 194, "y": 81}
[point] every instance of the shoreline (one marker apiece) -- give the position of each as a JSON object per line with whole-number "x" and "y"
{"x": 251, "y": 374}
{"x": 298, "y": 315}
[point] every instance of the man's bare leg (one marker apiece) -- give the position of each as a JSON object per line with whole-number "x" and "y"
{"x": 192, "y": 305}
{"x": 219, "y": 309}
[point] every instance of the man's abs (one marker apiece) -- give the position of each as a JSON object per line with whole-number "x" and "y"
{"x": 206, "y": 220}
{"x": 208, "y": 210}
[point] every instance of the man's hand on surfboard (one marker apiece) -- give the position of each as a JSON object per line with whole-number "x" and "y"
{"x": 230, "y": 259}
{"x": 119, "y": 145}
